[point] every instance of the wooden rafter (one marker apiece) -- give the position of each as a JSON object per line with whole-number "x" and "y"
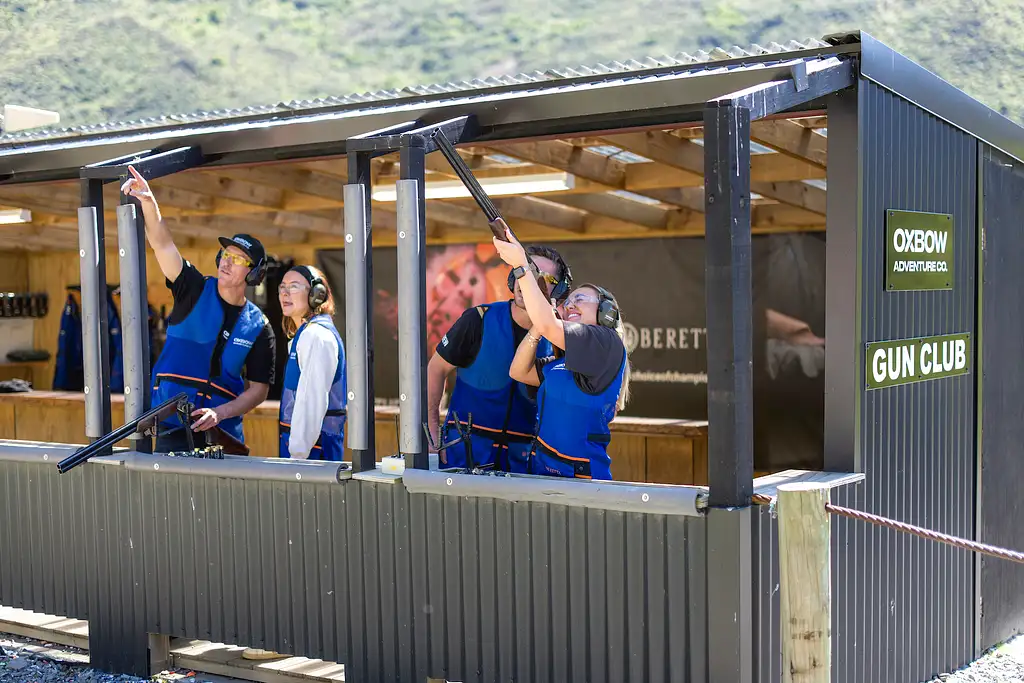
{"x": 788, "y": 137}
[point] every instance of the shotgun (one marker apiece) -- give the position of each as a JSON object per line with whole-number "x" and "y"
{"x": 494, "y": 219}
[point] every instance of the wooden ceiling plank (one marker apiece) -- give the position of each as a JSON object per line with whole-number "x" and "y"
{"x": 224, "y": 188}
{"x": 292, "y": 180}
{"x": 621, "y": 208}
{"x": 514, "y": 209}
{"x": 790, "y": 138}
{"x": 567, "y": 157}
{"x": 795, "y": 193}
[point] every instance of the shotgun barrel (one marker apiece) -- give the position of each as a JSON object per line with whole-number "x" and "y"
{"x": 147, "y": 420}
{"x": 494, "y": 219}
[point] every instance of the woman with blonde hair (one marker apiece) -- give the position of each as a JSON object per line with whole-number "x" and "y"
{"x": 583, "y": 386}
{"x": 314, "y": 395}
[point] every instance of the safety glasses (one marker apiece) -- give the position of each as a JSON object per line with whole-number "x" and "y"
{"x": 292, "y": 288}
{"x": 235, "y": 259}
{"x": 577, "y": 298}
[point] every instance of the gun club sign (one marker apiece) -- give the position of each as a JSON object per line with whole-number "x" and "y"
{"x": 918, "y": 251}
{"x": 890, "y": 363}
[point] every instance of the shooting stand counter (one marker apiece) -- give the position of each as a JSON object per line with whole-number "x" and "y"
{"x": 661, "y": 451}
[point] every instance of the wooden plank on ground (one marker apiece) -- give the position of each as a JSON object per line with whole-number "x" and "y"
{"x": 45, "y": 627}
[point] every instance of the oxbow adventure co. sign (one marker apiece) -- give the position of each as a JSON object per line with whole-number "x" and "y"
{"x": 889, "y": 363}
{"x": 919, "y": 250}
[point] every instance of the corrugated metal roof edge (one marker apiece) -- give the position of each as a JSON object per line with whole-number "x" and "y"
{"x": 734, "y": 56}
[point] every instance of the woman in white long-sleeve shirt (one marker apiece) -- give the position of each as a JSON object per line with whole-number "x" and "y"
{"x": 313, "y": 400}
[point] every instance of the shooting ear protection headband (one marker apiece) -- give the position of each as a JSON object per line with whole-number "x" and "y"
{"x": 607, "y": 309}
{"x": 317, "y": 287}
{"x": 255, "y": 275}
{"x": 564, "y": 284}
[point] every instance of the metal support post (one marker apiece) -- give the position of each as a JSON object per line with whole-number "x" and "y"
{"x": 359, "y": 313}
{"x": 729, "y": 304}
{"x": 134, "y": 315}
{"x": 95, "y": 330}
{"x": 412, "y": 304}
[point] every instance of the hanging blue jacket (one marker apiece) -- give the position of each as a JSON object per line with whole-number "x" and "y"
{"x": 573, "y": 431}
{"x": 115, "y": 346}
{"x": 69, "y": 372}
{"x": 187, "y": 358}
{"x": 504, "y": 413}
{"x": 331, "y": 443}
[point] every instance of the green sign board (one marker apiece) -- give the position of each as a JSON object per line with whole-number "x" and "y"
{"x": 918, "y": 250}
{"x": 889, "y": 363}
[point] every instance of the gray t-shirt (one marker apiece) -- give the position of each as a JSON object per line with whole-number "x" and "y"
{"x": 593, "y": 354}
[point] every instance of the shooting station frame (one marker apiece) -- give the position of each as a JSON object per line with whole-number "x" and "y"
{"x": 475, "y": 578}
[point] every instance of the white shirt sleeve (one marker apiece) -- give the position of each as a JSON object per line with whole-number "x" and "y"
{"x": 317, "y": 353}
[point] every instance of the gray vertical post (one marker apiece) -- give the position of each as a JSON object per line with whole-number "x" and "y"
{"x": 844, "y": 354}
{"x": 730, "y": 390}
{"x": 95, "y": 330}
{"x": 360, "y": 412}
{"x": 412, "y": 160}
{"x": 359, "y": 174}
{"x": 411, "y": 327}
{"x": 134, "y": 315}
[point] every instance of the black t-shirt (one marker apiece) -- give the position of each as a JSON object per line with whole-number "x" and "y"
{"x": 260, "y": 363}
{"x": 460, "y": 346}
{"x": 592, "y": 353}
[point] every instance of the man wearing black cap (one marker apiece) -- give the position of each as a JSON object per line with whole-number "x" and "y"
{"x": 220, "y": 348}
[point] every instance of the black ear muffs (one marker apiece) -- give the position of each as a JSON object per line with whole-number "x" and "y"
{"x": 317, "y": 287}
{"x": 255, "y": 275}
{"x": 607, "y": 311}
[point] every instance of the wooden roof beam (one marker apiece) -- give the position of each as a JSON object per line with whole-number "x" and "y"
{"x": 793, "y": 139}
{"x": 567, "y": 157}
{"x": 776, "y": 177}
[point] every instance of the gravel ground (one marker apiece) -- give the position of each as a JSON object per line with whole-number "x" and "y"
{"x": 1002, "y": 664}
{"x": 29, "y": 661}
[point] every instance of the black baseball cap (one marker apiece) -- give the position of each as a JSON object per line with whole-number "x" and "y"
{"x": 249, "y": 245}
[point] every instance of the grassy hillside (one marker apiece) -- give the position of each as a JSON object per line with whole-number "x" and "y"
{"x": 96, "y": 60}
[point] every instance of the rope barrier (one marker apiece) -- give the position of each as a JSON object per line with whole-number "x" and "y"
{"x": 954, "y": 541}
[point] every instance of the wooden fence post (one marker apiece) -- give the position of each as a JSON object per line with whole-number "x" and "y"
{"x": 805, "y": 583}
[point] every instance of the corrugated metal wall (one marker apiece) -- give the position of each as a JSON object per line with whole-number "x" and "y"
{"x": 1002, "y": 582}
{"x": 397, "y": 586}
{"x": 902, "y": 606}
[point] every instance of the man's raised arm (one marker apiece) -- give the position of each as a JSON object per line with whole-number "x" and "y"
{"x": 159, "y": 236}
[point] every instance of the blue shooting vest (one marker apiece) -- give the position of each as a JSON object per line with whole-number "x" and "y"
{"x": 69, "y": 373}
{"x": 504, "y": 414}
{"x": 185, "y": 364}
{"x": 331, "y": 443}
{"x": 573, "y": 434}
